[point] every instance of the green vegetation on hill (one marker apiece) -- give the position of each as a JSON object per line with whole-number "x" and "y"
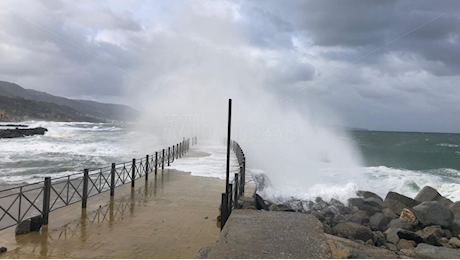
{"x": 22, "y": 108}
{"x": 90, "y": 109}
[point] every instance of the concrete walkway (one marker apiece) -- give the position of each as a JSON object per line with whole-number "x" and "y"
{"x": 172, "y": 215}
{"x": 255, "y": 234}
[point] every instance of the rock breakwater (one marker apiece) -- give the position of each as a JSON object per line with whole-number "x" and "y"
{"x": 408, "y": 227}
{"x": 17, "y": 132}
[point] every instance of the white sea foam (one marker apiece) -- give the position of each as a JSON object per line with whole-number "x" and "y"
{"x": 448, "y": 145}
{"x": 380, "y": 179}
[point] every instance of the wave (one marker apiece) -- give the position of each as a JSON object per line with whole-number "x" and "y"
{"x": 448, "y": 145}
{"x": 379, "y": 179}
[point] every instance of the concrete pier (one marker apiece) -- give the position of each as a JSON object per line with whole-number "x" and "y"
{"x": 172, "y": 215}
{"x": 258, "y": 234}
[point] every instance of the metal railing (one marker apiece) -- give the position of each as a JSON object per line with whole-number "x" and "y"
{"x": 23, "y": 202}
{"x": 235, "y": 187}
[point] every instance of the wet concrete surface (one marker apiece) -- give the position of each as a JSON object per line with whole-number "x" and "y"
{"x": 172, "y": 215}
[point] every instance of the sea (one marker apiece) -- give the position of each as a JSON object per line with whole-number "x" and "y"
{"x": 398, "y": 161}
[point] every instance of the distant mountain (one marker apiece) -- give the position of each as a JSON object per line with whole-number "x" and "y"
{"x": 24, "y": 109}
{"x": 97, "y": 111}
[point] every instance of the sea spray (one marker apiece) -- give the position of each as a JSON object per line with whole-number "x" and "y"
{"x": 187, "y": 95}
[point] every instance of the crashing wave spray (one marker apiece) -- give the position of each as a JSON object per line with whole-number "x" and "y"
{"x": 301, "y": 158}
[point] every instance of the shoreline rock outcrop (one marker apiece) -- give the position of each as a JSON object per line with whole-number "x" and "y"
{"x": 20, "y": 132}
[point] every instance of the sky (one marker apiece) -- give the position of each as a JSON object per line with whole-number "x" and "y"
{"x": 380, "y": 65}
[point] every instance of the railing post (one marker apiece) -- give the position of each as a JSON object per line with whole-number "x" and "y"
{"x": 112, "y": 180}
{"x": 243, "y": 182}
{"x": 146, "y": 167}
{"x": 236, "y": 192}
{"x": 223, "y": 210}
{"x": 177, "y": 151}
{"x": 163, "y": 160}
{"x": 133, "y": 173}
{"x": 180, "y": 149}
{"x": 173, "y": 154}
{"x": 230, "y": 191}
{"x": 169, "y": 154}
{"x": 85, "y": 189}
{"x": 46, "y": 200}
{"x": 156, "y": 162}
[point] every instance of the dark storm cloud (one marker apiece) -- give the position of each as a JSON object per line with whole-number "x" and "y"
{"x": 367, "y": 25}
{"x": 374, "y": 62}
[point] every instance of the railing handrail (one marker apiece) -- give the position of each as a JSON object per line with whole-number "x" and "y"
{"x": 234, "y": 189}
{"x": 84, "y": 184}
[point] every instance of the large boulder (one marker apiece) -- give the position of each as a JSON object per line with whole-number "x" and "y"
{"x": 433, "y": 213}
{"x": 455, "y": 207}
{"x": 392, "y": 235}
{"x": 428, "y": 251}
{"x": 430, "y": 194}
{"x": 398, "y": 202}
{"x": 358, "y": 202}
{"x": 456, "y": 227}
{"x": 368, "y": 194}
{"x": 379, "y": 222}
{"x": 353, "y": 230}
{"x": 372, "y": 205}
{"x": 409, "y": 235}
{"x": 389, "y": 213}
{"x": 400, "y": 223}
{"x": 29, "y": 225}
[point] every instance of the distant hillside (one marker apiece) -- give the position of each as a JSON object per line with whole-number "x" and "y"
{"x": 85, "y": 107}
{"x": 22, "y": 108}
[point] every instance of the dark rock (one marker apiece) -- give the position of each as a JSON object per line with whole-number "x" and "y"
{"x": 456, "y": 227}
{"x": 430, "y": 194}
{"x": 340, "y": 219}
{"x": 406, "y": 244}
{"x": 354, "y": 219}
{"x": 17, "y": 132}
{"x": 318, "y": 215}
{"x": 379, "y": 222}
{"x": 455, "y": 207}
{"x": 447, "y": 233}
{"x": 29, "y": 225}
{"x": 433, "y": 213}
{"x": 428, "y": 251}
{"x": 400, "y": 223}
{"x": 392, "y": 235}
{"x": 260, "y": 203}
{"x": 3, "y": 249}
{"x": 369, "y": 209}
{"x": 356, "y": 231}
{"x": 358, "y": 202}
{"x": 379, "y": 239}
{"x": 389, "y": 213}
{"x": 338, "y": 207}
{"x": 431, "y": 240}
{"x": 285, "y": 208}
{"x": 409, "y": 235}
{"x": 368, "y": 194}
{"x": 373, "y": 201}
{"x": 435, "y": 230}
{"x": 397, "y": 202}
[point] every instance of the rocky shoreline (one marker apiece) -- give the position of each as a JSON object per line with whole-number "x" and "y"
{"x": 18, "y": 132}
{"x": 427, "y": 226}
